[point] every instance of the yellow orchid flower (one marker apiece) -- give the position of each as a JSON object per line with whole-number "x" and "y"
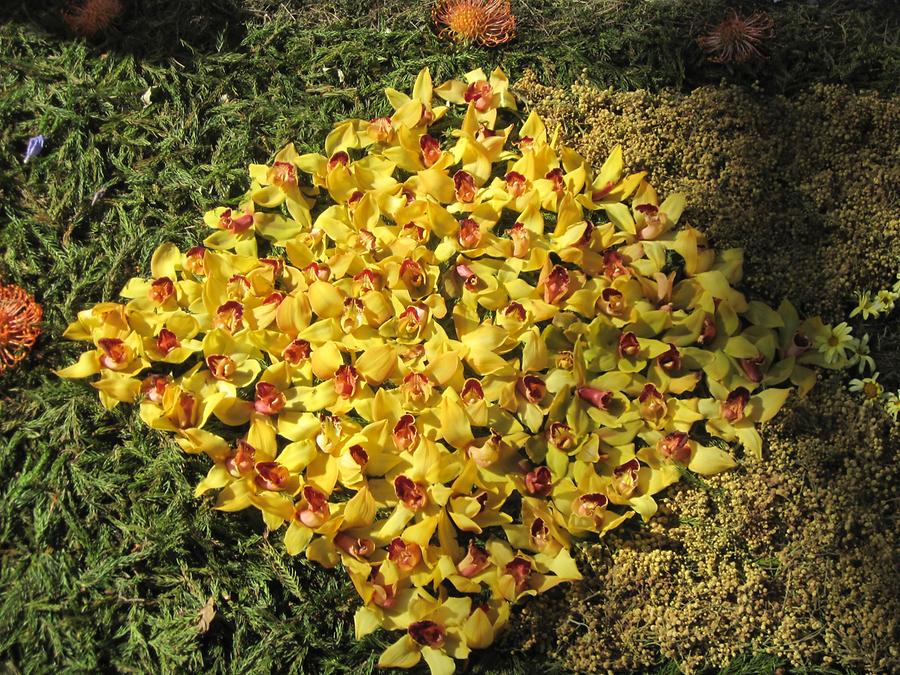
{"x": 481, "y": 93}
{"x": 416, "y": 110}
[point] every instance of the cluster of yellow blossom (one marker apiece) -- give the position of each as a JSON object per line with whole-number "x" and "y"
{"x": 456, "y": 351}
{"x": 874, "y": 306}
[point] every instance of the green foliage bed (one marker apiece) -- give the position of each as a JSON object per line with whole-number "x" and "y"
{"x": 107, "y": 561}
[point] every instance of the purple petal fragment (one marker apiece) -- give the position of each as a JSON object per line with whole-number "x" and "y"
{"x": 35, "y": 147}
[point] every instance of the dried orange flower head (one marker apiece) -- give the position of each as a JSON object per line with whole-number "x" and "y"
{"x": 487, "y": 22}
{"x": 20, "y": 318}
{"x": 737, "y": 39}
{"x": 93, "y": 16}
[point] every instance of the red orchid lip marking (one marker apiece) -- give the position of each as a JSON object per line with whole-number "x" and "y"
{"x": 185, "y": 411}
{"x": 353, "y": 315}
{"x": 587, "y": 235}
{"x": 381, "y": 129}
{"x": 410, "y": 493}
{"x": 166, "y": 341}
{"x": 611, "y": 302}
{"x": 431, "y": 149}
{"x": 670, "y": 361}
{"x": 469, "y": 235}
{"x": 412, "y": 274}
{"x": 516, "y": 183}
{"x": 317, "y": 272}
{"x": 675, "y": 446}
{"x": 405, "y": 433}
{"x": 359, "y": 455}
{"x": 345, "y": 380}
{"x": 406, "y": 556}
{"x": 220, "y": 366}
{"x": 464, "y": 183}
{"x": 238, "y": 285}
{"x": 414, "y": 231}
{"x": 269, "y": 400}
{"x": 235, "y": 225}
{"x": 732, "y": 408}
{"x": 539, "y": 482}
{"x": 561, "y": 436}
{"x": 154, "y": 387}
{"x": 427, "y": 634}
{"x": 283, "y": 174}
{"x": 652, "y": 404}
{"x": 340, "y": 158}
{"x": 277, "y": 264}
{"x": 707, "y": 332}
{"x": 589, "y": 504}
{"x": 751, "y": 368}
{"x": 354, "y": 198}
{"x": 515, "y": 310}
{"x": 368, "y": 280}
{"x": 116, "y": 354}
{"x": 481, "y": 94}
{"x": 520, "y": 570}
{"x": 625, "y": 477}
{"x": 195, "y": 260}
{"x": 556, "y": 285}
{"x": 472, "y": 391}
{"x": 416, "y": 314}
{"x": 556, "y": 177}
{"x": 597, "y": 195}
{"x": 531, "y": 388}
{"x": 614, "y": 264}
{"x": 475, "y": 561}
{"x": 470, "y": 279}
{"x": 599, "y": 398}
{"x": 229, "y": 316}
{"x": 242, "y": 460}
{"x": 296, "y": 352}
{"x": 539, "y": 534}
{"x": 483, "y": 133}
{"x": 161, "y": 290}
{"x": 521, "y": 240}
{"x": 366, "y": 240}
{"x": 416, "y": 386}
{"x": 271, "y": 476}
{"x": 358, "y": 547}
{"x": 274, "y": 298}
{"x": 628, "y": 345}
{"x": 383, "y": 594}
{"x": 316, "y": 511}
{"x": 427, "y": 117}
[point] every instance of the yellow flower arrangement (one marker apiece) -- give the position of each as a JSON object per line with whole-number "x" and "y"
{"x": 435, "y": 357}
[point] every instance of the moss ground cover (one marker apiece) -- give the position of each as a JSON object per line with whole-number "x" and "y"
{"x": 95, "y": 578}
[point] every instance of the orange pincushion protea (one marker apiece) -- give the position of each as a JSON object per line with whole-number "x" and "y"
{"x": 93, "y": 16}
{"x": 737, "y": 39}
{"x": 488, "y": 22}
{"x": 20, "y": 318}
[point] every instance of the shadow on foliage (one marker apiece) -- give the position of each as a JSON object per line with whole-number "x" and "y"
{"x": 146, "y": 29}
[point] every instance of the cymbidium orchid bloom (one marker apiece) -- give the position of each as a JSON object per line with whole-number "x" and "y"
{"x": 475, "y": 351}
{"x": 484, "y": 94}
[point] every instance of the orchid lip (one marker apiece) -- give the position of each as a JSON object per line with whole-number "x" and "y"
{"x": 427, "y": 634}
{"x": 410, "y": 493}
{"x": 167, "y": 341}
{"x": 598, "y": 398}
